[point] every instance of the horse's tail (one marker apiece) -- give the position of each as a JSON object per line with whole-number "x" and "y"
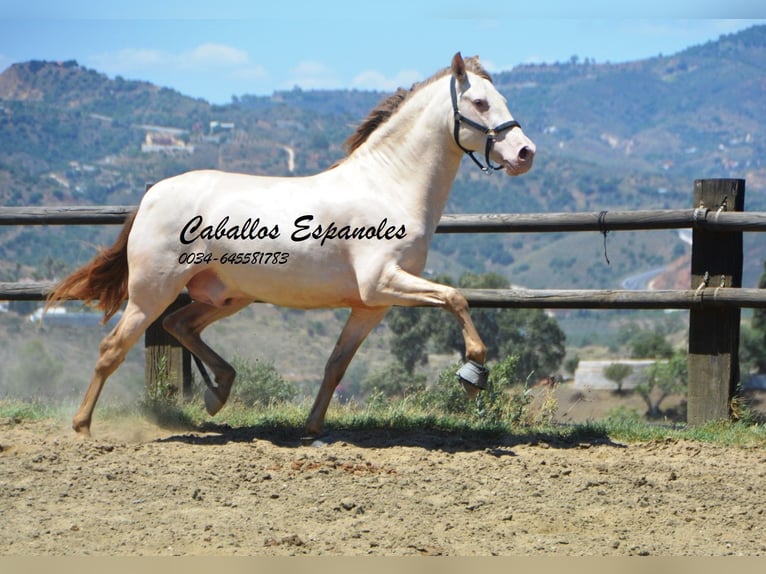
{"x": 104, "y": 279}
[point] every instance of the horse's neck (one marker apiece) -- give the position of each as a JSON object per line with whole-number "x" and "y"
{"x": 414, "y": 153}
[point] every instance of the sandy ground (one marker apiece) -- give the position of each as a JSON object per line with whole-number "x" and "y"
{"x": 142, "y": 490}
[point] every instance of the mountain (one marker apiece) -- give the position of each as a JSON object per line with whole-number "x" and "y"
{"x": 609, "y": 136}
{"x": 695, "y": 112}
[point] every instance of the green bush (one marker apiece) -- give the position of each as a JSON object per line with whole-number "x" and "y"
{"x": 499, "y": 403}
{"x": 445, "y": 395}
{"x": 504, "y": 402}
{"x": 391, "y": 380}
{"x": 260, "y": 384}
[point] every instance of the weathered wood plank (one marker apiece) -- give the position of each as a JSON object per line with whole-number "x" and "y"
{"x": 601, "y": 221}
{"x": 538, "y": 298}
{"x": 167, "y": 364}
{"x": 65, "y": 215}
{"x": 713, "y": 358}
{"x": 455, "y": 223}
{"x": 25, "y": 291}
{"x": 616, "y": 299}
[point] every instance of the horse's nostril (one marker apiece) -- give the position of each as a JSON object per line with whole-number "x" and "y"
{"x": 525, "y": 153}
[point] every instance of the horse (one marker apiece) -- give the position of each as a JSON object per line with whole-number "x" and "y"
{"x": 355, "y": 235}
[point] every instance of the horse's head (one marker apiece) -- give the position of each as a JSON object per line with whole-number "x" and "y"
{"x": 484, "y": 124}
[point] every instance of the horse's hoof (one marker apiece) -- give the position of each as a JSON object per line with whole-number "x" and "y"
{"x": 470, "y": 390}
{"x": 316, "y": 441}
{"x": 312, "y": 435}
{"x": 82, "y": 430}
{"x": 473, "y": 376}
{"x": 213, "y": 404}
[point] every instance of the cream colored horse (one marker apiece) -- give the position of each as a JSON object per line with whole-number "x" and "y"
{"x": 355, "y": 235}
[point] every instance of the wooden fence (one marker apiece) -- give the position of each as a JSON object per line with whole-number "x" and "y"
{"x": 714, "y": 297}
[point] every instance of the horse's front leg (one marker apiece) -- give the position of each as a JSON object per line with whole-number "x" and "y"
{"x": 413, "y": 290}
{"x": 358, "y": 326}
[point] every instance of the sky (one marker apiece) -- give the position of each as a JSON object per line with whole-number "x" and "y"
{"x": 218, "y": 49}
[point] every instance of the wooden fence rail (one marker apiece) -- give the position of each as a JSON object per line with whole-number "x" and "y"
{"x": 714, "y": 298}
{"x": 717, "y": 297}
{"x": 699, "y": 218}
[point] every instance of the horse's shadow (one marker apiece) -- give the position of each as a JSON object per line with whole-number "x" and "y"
{"x": 460, "y": 440}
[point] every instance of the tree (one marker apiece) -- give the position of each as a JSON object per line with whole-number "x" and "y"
{"x": 412, "y": 331}
{"x": 570, "y": 365}
{"x": 534, "y": 337}
{"x": 754, "y": 337}
{"x": 661, "y": 380}
{"x": 647, "y": 344}
{"x": 617, "y": 373}
{"x": 759, "y": 315}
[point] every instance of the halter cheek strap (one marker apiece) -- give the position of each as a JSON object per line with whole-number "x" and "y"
{"x": 491, "y": 133}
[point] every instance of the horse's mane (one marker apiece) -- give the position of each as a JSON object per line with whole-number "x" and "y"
{"x": 390, "y": 104}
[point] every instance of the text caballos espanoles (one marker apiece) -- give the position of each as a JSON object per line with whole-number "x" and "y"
{"x": 304, "y": 229}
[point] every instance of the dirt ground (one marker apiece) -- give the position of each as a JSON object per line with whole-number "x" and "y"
{"x": 142, "y": 490}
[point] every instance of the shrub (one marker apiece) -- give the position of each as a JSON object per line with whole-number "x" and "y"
{"x": 391, "y": 380}
{"x": 504, "y": 402}
{"x": 499, "y": 403}
{"x": 445, "y": 395}
{"x": 260, "y": 384}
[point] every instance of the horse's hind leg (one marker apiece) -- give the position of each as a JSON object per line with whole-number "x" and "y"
{"x": 134, "y": 321}
{"x": 186, "y": 324}
{"x": 358, "y": 326}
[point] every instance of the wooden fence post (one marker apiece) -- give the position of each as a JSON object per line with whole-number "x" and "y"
{"x": 713, "y": 359}
{"x": 166, "y": 362}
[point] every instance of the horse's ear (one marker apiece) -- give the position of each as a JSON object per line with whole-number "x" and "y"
{"x": 458, "y": 68}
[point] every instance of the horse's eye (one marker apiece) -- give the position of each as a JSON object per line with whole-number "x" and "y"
{"x": 481, "y": 105}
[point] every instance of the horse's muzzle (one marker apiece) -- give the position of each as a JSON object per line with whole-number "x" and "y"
{"x": 523, "y": 161}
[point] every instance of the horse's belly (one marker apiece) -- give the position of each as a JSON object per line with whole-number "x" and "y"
{"x": 276, "y": 279}
{"x": 207, "y": 287}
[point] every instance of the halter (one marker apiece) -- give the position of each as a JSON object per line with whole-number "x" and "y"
{"x": 491, "y": 133}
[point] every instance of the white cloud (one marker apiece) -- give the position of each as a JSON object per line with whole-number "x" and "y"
{"x": 209, "y": 70}
{"x": 249, "y": 73}
{"x": 312, "y": 75}
{"x": 128, "y": 60}
{"x": 206, "y": 55}
{"x": 218, "y": 54}
{"x": 494, "y": 68}
{"x": 374, "y": 80}
{"x": 490, "y": 66}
